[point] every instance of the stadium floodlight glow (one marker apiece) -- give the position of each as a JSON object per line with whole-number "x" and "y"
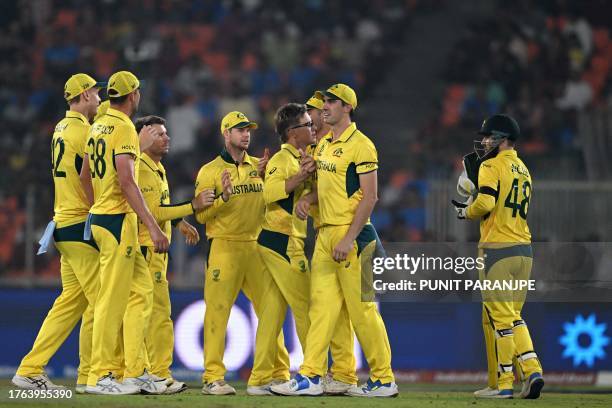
{"x": 573, "y": 348}
{"x": 240, "y": 339}
{"x": 188, "y": 328}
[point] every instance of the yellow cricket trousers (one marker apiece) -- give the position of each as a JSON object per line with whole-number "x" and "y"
{"x": 503, "y": 310}
{"x": 333, "y": 283}
{"x": 287, "y": 283}
{"x": 79, "y": 271}
{"x": 232, "y": 266}
{"x": 125, "y": 296}
{"x": 160, "y": 336}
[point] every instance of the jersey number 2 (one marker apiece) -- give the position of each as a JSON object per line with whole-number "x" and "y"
{"x": 512, "y": 199}
{"x": 96, "y": 152}
{"x": 58, "y": 147}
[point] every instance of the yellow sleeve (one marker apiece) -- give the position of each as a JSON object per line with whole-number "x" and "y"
{"x": 81, "y": 143}
{"x": 488, "y": 181}
{"x": 127, "y": 142}
{"x": 150, "y": 189}
{"x": 207, "y": 180}
{"x": 366, "y": 158}
{"x": 274, "y": 183}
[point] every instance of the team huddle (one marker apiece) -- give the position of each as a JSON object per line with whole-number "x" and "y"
{"x": 113, "y": 224}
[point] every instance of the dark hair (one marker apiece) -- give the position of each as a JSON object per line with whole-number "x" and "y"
{"x": 287, "y": 116}
{"x": 118, "y": 100}
{"x": 76, "y": 99}
{"x": 148, "y": 120}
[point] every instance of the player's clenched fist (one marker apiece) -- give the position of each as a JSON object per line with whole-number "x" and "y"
{"x": 160, "y": 241}
{"x": 148, "y": 134}
{"x": 226, "y": 183}
{"x": 307, "y": 164}
{"x": 203, "y": 200}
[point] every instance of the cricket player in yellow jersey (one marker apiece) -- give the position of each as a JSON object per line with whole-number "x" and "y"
{"x": 346, "y": 192}
{"x": 233, "y": 224}
{"x": 79, "y": 257}
{"x": 502, "y": 203}
{"x": 153, "y": 184}
{"x": 126, "y": 289}
{"x": 286, "y": 276}
{"x": 343, "y": 373}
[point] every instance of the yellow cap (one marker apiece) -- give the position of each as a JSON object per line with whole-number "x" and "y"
{"x": 122, "y": 83}
{"x": 236, "y": 119}
{"x": 102, "y": 108}
{"x": 79, "y": 83}
{"x": 340, "y": 91}
{"x": 314, "y": 102}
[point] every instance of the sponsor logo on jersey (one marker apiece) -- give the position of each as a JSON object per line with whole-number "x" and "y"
{"x": 165, "y": 196}
{"x": 128, "y": 252}
{"x": 215, "y": 274}
{"x": 338, "y": 152}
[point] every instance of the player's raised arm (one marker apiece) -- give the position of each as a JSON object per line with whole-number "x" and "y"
{"x": 205, "y": 184}
{"x": 488, "y": 179}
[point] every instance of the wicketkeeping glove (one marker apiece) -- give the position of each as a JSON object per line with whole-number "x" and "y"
{"x": 460, "y": 208}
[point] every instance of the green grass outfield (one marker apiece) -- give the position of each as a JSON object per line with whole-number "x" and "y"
{"x": 411, "y": 395}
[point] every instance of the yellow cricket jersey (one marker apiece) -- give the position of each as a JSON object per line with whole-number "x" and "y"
{"x": 339, "y": 164}
{"x": 505, "y": 187}
{"x": 153, "y": 185}
{"x": 280, "y": 207}
{"x": 313, "y": 211}
{"x": 67, "y": 150}
{"x": 240, "y": 218}
{"x": 111, "y": 135}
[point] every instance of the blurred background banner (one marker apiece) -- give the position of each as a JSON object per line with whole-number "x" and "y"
{"x": 427, "y": 72}
{"x": 430, "y": 341}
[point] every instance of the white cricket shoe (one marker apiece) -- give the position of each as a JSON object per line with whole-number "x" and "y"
{"x": 532, "y": 387}
{"x": 80, "y": 388}
{"x": 38, "y": 382}
{"x": 147, "y": 383}
{"x": 496, "y": 394}
{"x": 485, "y": 391}
{"x": 300, "y": 385}
{"x": 335, "y": 387}
{"x": 259, "y": 390}
{"x": 107, "y": 385}
{"x": 173, "y": 386}
{"x": 374, "y": 389}
{"x": 219, "y": 387}
{"x": 176, "y": 387}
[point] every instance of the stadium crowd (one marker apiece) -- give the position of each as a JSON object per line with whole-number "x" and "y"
{"x": 541, "y": 62}
{"x": 200, "y": 59}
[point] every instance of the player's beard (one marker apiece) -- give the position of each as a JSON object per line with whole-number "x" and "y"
{"x": 239, "y": 146}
